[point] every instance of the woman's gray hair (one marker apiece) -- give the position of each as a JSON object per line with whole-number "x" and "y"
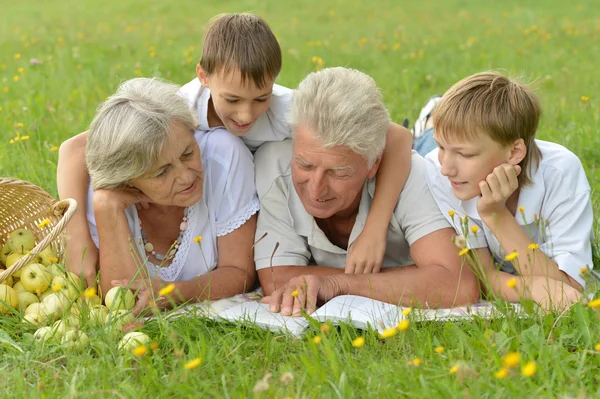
{"x": 130, "y": 128}
{"x": 343, "y": 107}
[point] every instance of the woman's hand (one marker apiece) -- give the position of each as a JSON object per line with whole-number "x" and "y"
{"x": 120, "y": 199}
{"x": 147, "y": 293}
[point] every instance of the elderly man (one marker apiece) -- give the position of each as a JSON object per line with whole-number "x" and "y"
{"x": 316, "y": 192}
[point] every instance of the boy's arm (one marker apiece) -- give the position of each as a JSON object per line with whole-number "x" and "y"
{"x": 72, "y": 181}
{"x": 366, "y": 253}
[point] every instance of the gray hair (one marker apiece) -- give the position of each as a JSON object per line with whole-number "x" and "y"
{"x": 344, "y": 107}
{"x": 130, "y": 128}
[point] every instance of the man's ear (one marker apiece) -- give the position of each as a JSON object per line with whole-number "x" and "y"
{"x": 202, "y": 76}
{"x": 374, "y": 168}
{"x": 517, "y": 153}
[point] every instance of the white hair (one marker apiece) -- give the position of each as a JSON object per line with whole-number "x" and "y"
{"x": 343, "y": 107}
{"x": 130, "y": 128}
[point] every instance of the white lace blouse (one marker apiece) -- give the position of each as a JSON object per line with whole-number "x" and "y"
{"x": 229, "y": 200}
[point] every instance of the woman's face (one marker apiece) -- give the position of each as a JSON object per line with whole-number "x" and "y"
{"x": 177, "y": 178}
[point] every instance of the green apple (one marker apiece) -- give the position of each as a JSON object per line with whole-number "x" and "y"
{"x": 119, "y": 298}
{"x": 44, "y": 334}
{"x": 132, "y": 340}
{"x": 59, "y": 329}
{"x": 34, "y": 309}
{"x": 18, "y": 287}
{"x": 4, "y": 252}
{"x": 98, "y": 315}
{"x": 56, "y": 270}
{"x": 25, "y": 299}
{"x": 21, "y": 241}
{"x": 8, "y": 299}
{"x": 14, "y": 258}
{"x": 75, "y": 339}
{"x": 90, "y": 302}
{"x": 47, "y": 256}
{"x": 9, "y": 281}
{"x": 118, "y": 319}
{"x": 62, "y": 285}
{"x": 35, "y": 278}
{"x": 36, "y": 320}
{"x": 45, "y": 294}
{"x": 55, "y": 305}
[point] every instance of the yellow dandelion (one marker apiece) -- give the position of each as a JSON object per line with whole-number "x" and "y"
{"x": 19, "y": 125}
{"x": 5, "y": 90}
{"x": 403, "y": 325}
{"x": 511, "y": 359}
{"x": 17, "y": 138}
{"x": 53, "y": 259}
{"x": 451, "y": 213}
{"x": 24, "y": 138}
{"x": 57, "y": 287}
{"x": 17, "y": 56}
{"x": 533, "y": 246}
{"x": 53, "y": 148}
{"x": 317, "y": 340}
{"x": 359, "y": 342}
{"x": 512, "y": 283}
{"x": 153, "y": 54}
{"x": 521, "y": 209}
{"x": 89, "y": 292}
{"x": 44, "y": 223}
{"x": 388, "y": 333}
{"x": 198, "y": 239}
{"x": 140, "y": 351}
{"x": 137, "y": 72}
{"x": 463, "y": 251}
{"x": 595, "y": 303}
{"x": 454, "y": 369}
{"x": 474, "y": 229}
{"x": 597, "y": 347}
{"x": 406, "y": 311}
{"x": 529, "y": 369}
{"x": 154, "y": 346}
{"x": 396, "y": 46}
{"x": 324, "y": 327}
{"x": 192, "y": 364}
{"x": 502, "y": 373}
{"x": 416, "y": 361}
{"x": 12, "y": 141}
{"x": 16, "y": 78}
{"x": 583, "y": 270}
{"x": 166, "y": 290}
{"x": 439, "y": 349}
{"x": 585, "y": 98}
{"x": 511, "y": 256}
{"x": 295, "y": 293}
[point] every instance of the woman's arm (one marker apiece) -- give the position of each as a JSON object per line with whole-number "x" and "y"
{"x": 72, "y": 181}
{"x": 367, "y": 251}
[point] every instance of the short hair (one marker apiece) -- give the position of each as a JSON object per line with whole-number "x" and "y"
{"x": 343, "y": 107}
{"x": 493, "y": 104}
{"x": 130, "y": 129}
{"x": 244, "y": 42}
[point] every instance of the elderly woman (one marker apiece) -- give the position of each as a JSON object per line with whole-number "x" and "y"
{"x": 198, "y": 228}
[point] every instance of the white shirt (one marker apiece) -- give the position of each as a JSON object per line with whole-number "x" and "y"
{"x": 228, "y": 201}
{"x": 303, "y": 243}
{"x": 271, "y": 126}
{"x": 560, "y": 195}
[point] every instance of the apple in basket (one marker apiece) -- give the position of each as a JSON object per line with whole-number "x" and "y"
{"x": 4, "y": 252}
{"x": 35, "y": 278}
{"x": 9, "y": 281}
{"x": 8, "y": 299}
{"x": 47, "y": 256}
{"x": 21, "y": 241}
{"x": 14, "y": 258}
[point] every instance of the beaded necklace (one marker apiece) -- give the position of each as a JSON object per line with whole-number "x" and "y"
{"x": 149, "y": 247}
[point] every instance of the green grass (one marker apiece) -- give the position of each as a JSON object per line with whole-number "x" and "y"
{"x": 413, "y": 50}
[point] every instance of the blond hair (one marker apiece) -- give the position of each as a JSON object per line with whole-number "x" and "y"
{"x": 241, "y": 42}
{"x": 130, "y": 129}
{"x": 344, "y": 107}
{"x": 493, "y": 104}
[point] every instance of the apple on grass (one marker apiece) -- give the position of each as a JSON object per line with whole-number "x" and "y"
{"x": 8, "y": 299}
{"x": 26, "y": 299}
{"x": 35, "y": 278}
{"x": 75, "y": 339}
{"x": 21, "y": 241}
{"x": 119, "y": 298}
{"x": 98, "y": 315}
{"x": 44, "y": 334}
{"x": 116, "y": 320}
{"x": 132, "y": 340}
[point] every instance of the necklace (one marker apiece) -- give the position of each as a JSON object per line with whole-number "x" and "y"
{"x": 149, "y": 247}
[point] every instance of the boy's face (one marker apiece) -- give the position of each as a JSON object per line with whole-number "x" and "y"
{"x": 237, "y": 105}
{"x": 467, "y": 162}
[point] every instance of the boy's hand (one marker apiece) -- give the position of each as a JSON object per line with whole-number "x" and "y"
{"x": 496, "y": 188}
{"x": 366, "y": 253}
{"x": 301, "y": 293}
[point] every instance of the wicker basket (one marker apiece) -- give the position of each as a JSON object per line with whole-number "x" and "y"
{"x": 23, "y": 206}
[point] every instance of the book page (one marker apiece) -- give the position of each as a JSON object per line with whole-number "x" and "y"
{"x": 259, "y": 314}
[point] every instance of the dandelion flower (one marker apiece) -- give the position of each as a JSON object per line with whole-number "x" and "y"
{"x": 43, "y": 223}
{"x": 192, "y": 364}
{"x": 451, "y": 213}
{"x": 53, "y": 148}
{"x": 359, "y": 342}
{"x": 166, "y": 290}
{"x": 439, "y": 349}
{"x": 16, "y": 78}
{"x": 511, "y": 359}
{"x": 454, "y": 369}
{"x": 529, "y": 369}
{"x": 24, "y": 138}
{"x": 597, "y": 347}
{"x": 585, "y": 98}
{"x": 388, "y": 333}
{"x": 502, "y": 373}
{"x": 154, "y": 346}
{"x": 416, "y": 361}
{"x": 403, "y": 325}
{"x": 295, "y": 293}
{"x": 17, "y": 56}
{"x": 512, "y": 283}
{"x": 324, "y": 328}
{"x": 198, "y": 239}
{"x": 474, "y": 229}
{"x": 140, "y": 351}
{"x": 533, "y": 246}
{"x": 463, "y": 251}
{"x": 406, "y": 311}
{"x": 521, "y": 209}
{"x": 53, "y": 259}
{"x": 89, "y": 292}
{"x": 511, "y": 256}
{"x": 57, "y": 287}
{"x": 317, "y": 339}
{"x": 594, "y": 303}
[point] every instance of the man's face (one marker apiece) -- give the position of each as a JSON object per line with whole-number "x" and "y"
{"x": 328, "y": 181}
{"x": 467, "y": 162}
{"x": 238, "y": 105}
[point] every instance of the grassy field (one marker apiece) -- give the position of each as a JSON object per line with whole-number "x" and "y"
{"x": 59, "y": 59}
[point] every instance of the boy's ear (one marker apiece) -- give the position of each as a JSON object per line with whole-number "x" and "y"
{"x": 202, "y": 76}
{"x": 518, "y": 150}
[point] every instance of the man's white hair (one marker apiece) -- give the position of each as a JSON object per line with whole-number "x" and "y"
{"x": 130, "y": 129}
{"x": 343, "y": 107}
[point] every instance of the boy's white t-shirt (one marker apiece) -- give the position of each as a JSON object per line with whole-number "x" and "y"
{"x": 273, "y": 125}
{"x": 557, "y": 210}
{"x": 228, "y": 201}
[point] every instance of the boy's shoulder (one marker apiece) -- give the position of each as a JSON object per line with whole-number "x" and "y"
{"x": 220, "y": 145}
{"x": 559, "y": 165}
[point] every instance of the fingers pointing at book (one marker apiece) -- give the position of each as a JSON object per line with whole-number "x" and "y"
{"x": 300, "y": 294}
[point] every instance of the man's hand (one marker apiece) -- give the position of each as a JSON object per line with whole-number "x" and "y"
{"x": 496, "y": 188}
{"x": 366, "y": 253}
{"x": 302, "y": 293}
